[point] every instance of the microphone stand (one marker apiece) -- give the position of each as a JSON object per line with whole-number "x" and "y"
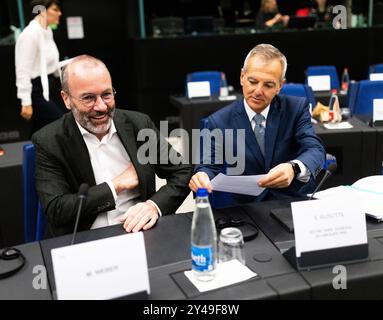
{"x": 82, "y": 198}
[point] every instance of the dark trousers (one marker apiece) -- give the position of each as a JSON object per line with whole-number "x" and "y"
{"x": 45, "y": 112}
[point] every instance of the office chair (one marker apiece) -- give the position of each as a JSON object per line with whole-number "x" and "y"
{"x": 362, "y": 95}
{"x": 214, "y": 77}
{"x": 322, "y": 71}
{"x": 299, "y": 90}
{"x": 375, "y": 68}
{"x": 34, "y": 218}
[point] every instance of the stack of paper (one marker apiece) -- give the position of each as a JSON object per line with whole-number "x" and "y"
{"x": 370, "y": 200}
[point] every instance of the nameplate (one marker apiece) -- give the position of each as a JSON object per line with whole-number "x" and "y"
{"x": 198, "y": 89}
{"x": 376, "y": 76}
{"x": 319, "y": 83}
{"x": 327, "y": 224}
{"x": 377, "y": 110}
{"x": 102, "y": 269}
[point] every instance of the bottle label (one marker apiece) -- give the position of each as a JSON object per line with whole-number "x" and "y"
{"x": 202, "y": 258}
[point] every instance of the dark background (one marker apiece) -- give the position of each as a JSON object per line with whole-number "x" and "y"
{"x": 146, "y": 71}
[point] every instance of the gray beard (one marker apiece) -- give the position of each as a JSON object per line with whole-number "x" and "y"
{"x": 87, "y": 124}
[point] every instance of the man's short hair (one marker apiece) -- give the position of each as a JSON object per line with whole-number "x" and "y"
{"x": 88, "y": 60}
{"x": 268, "y": 53}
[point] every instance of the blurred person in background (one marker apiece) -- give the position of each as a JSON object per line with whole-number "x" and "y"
{"x": 37, "y": 66}
{"x": 269, "y": 16}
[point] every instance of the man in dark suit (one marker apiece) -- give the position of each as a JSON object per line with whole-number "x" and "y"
{"x": 98, "y": 144}
{"x": 279, "y": 138}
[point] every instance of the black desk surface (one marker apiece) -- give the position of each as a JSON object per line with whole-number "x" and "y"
{"x": 168, "y": 252}
{"x": 167, "y": 242}
{"x": 20, "y": 285}
{"x": 13, "y": 154}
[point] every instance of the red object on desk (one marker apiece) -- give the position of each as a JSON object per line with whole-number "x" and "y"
{"x": 2, "y": 151}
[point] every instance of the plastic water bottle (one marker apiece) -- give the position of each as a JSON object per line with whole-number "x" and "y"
{"x": 224, "y": 90}
{"x": 345, "y": 80}
{"x": 332, "y": 99}
{"x": 203, "y": 239}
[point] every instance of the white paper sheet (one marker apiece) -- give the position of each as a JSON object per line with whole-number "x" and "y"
{"x": 319, "y": 83}
{"x": 370, "y": 201}
{"x": 378, "y": 110}
{"x": 227, "y": 273}
{"x": 75, "y": 28}
{"x": 238, "y": 184}
{"x": 376, "y": 76}
{"x": 198, "y": 89}
{"x": 101, "y": 269}
{"x": 339, "y": 125}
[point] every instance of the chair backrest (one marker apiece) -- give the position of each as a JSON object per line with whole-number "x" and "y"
{"x": 299, "y": 90}
{"x": 34, "y": 219}
{"x": 214, "y": 77}
{"x": 362, "y": 95}
{"x": 322, "y": 71}
{"x": 375, "y": 68}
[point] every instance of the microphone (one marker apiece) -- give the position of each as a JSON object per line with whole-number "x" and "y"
{"x": 331, "y": 167}
{"x": 82, "y": 193}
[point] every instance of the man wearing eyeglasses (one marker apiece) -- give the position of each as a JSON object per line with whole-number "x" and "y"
{"x": 97, "y": 144}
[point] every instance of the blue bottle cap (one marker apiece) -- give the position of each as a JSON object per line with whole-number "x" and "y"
{"x": 202, "y": 192}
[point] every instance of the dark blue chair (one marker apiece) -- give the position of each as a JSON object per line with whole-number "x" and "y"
{"x": 299, "y": 90}
{"x": 361, "y": 97}
{"x": 214, "y": 77}
{"x": 375, "y": 68}
{"x": 322, "y": 71}
{"x": 34, "y": 218}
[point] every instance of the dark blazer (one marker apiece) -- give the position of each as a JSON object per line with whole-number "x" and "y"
{"x": 63, "y": 164}
{"x": 289, "y": 135}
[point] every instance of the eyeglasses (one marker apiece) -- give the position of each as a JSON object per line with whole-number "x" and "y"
{"x": 90, "y": 99}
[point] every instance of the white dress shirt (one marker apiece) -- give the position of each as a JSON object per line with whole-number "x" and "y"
{"x": 109, "y": 159}
{"x": 36, "y": 55}
{"x": 304, "y": 175}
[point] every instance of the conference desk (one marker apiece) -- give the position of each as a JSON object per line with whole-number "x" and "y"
{"x": 359, "y": 150}
{"x": 11, "y": 195}
{"x": 168, "y": 256}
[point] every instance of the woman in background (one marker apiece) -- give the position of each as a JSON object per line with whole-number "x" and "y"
{"x": 37, "y": 66}
{"x": 269, "y": 17}
{"x": 323, "y": 12}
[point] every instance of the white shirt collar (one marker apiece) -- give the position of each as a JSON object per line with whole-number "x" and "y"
{"x": 251, "y": 113}
{"x": 107, "y": 137}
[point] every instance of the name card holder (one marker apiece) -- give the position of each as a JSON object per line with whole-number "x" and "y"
{"x": 106, "y": 269}
{"x": 328, "y": 257}
{"x": 327, "y": 232}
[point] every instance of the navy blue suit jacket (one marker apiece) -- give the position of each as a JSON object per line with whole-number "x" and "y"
{"x": 289, "y": 135}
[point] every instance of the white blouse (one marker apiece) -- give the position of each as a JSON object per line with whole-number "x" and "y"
{"x": 36, "y": 55}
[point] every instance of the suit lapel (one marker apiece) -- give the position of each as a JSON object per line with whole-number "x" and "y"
{"x": 78, "y": 154}
{"x": 241, "y": 121}
{"x": 126, "y": 133}
{"x": 272, "y": 126}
